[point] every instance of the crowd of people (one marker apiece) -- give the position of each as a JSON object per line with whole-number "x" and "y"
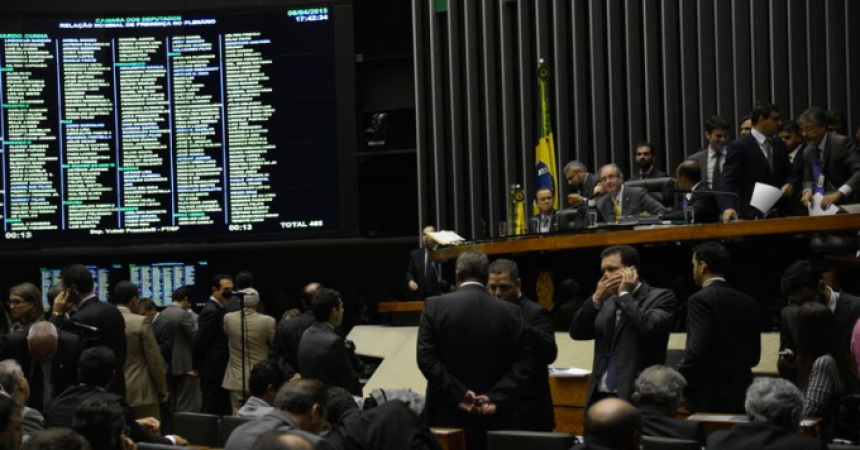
{"x": 809, "y": 160}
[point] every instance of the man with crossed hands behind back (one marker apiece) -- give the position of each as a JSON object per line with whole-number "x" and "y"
{"x": 629, "y": 321}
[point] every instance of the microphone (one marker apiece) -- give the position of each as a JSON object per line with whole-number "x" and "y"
{"x": 226, "y": 293}
{"x": 83, "y": 326}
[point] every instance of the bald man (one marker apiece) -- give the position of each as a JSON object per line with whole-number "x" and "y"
{"x": 612, "y": 424}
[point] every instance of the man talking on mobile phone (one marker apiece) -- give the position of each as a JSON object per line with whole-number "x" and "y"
{"x": 629, "y": 321}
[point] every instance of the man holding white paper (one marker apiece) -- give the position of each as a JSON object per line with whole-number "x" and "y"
{"x": 831, "y": 161}
{"x": 755, "y": 158}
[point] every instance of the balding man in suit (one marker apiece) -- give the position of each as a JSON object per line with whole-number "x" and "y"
{"x": 621, "y": 201}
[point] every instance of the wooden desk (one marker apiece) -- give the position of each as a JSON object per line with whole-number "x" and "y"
{"x": 397, "y": 307}
{"x": 603, "y": 238}
{"x": 450, "y": 438}
{"x": 568, "y": 400}
{"x": 713, "y": 422}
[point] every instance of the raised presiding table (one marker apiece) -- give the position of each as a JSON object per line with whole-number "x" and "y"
{"x": 652, "y": 234}
{"x": 713, "y": 422}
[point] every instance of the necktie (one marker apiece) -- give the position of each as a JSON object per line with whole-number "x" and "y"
{"x": 818, "y": 172}
{"x": 617, "y": 209}
{"x": 768, "y": 153}
{"x": 715, "y": 178}
{"x": 37, "y": 387}
{"x": 544, "y": 227}
{"x": 685, "y": 202}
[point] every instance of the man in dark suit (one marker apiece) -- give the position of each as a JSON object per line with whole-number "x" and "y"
{"x": 612, "y": 424}
{"x": 658, "y": 394}
{"x": 422, "y": 275}
{"x": 755, "y": 158}
{"x": 789, "y": 133}
{"x": 161, "y": 328}
{"x": 621, "y": 201}
{"x": 712, "y": 158}
{"x": 48, "y": 357}
{"x": 802, "y": 282}
{"x": 831, "y": 162}
{"x": 545, "y": 221}
{"x": 700, "y": 199}
{"x": 95, "y": 370}
{"x": 723, "y": 338}
{"x": 322, "y": 352}
{"x": 77, "y": 310}
{"x": 211, "y": 354}
{"x": 584, "y": 186}
{"x": 774, "y": 407}
{"x": 535, "y": 408}
{"x": 300, "y": 408}
{"x": 184, "y": 394}
{"x": 629, "y": 321}
{"x": 289, "y": 333}
{"x": 646, "y": 152}
{"x": 474, "y": 351}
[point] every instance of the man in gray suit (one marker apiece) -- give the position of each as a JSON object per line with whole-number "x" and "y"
{"x": 712, "y": 158}
{"x": 583, "y": 185}
{"x": 184, "y": 380}
{"x": 831, "y": 162}
{"x": 621, "y": 201}
{"x": 300, "y": 407}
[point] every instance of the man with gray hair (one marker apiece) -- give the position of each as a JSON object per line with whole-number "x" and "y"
{"x": 14, "y": 384}
{"x": 774, "y": 407}
{"x": 831, "y": 162}
{"x": 658, "y": 393}
{"x": 48, "y": 358}
{"x": 584, "y": 186}
{"x": 473, "y": 350}
{"x": 622, "y": 201}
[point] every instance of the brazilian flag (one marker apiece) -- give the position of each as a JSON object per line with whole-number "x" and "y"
{"x": 546, "y": 173}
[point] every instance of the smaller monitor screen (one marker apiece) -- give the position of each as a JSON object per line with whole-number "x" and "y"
{"x": 101, "y": 276}
{"x": 157, "y": 281}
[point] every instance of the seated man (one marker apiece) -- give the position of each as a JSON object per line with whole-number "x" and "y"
{"x": 545, "y": 221}
{"x": 688, "y": 176}
{"x": 267, "y": 378}
{"x": 300, "y": 407}
{"x": 774, "y": 407}
{"x": 612, "y": 424}
{"x": 58, "y": 439}
{"x": 621, "y": 201}
{"x": 101, "y": 423}
{"x": 14, "y": 384}
{"x": 96, "y": 369}
{"x": 391, "y": 425}
{"x": 659, "y": 390}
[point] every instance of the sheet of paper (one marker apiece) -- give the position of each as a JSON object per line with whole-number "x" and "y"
{"x": 851, "y": 209}
{"x": 815, "y": 207}
{"x": 568, "y": 372}
{"x": 764, "y": 197}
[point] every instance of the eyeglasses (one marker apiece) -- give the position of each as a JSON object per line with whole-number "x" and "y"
{"x": 610, "y": 177}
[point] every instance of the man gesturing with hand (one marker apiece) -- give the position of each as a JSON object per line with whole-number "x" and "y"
{"x": 629, "y": 321}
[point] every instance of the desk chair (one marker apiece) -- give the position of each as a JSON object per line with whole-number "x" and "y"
{"x": 198, "y": 429}
{"x": 661, "y": 443}
{"x": 517, "y": 440}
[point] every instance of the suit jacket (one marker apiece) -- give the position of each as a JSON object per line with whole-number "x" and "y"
{"x": 701, "y": 158}
{"x": 417, "y": 271}
{"x": 111, "y": 332}
{"x": 637, "y": 341}
{"x": 634, "y": 201}
{"x": 245, "y": 435}
{"x": 184, "y": 335}
{"x": 536, "y": 408}
{"x": 163, "y": 331}
{"x": 653, "y": 173}
{"x": 144, "y": 369}
{"x": 587, "y": 188}
{"x": 761, "y": 436}
{"x": 723, "y": 345}
{"x": 457, "y": 352}
{"x": 847, "y": 313}
{"x": 389, "y": 426}
{"x": 259, "y": 331}
{"x": 254, "y": 407}
{"x": 64, "y": 366}
{"x": 323, "y": 357}
{"x": 211, "y": 352}
{"x": 841, "y": 165}
{"x": 534, "y": 224}
{"x": 62, "y": 412}
{"x": 704, "y": 205}
{"x": 656, "y": 423}
{"x": 288, "y": 336}
{"x": 745, "y": 166}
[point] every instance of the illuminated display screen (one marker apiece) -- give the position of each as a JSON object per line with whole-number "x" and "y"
{"x": 187, "y": 125}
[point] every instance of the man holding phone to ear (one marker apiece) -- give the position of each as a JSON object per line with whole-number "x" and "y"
{"x": 629, "y": 321}
{"x": 77, "y": 310}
